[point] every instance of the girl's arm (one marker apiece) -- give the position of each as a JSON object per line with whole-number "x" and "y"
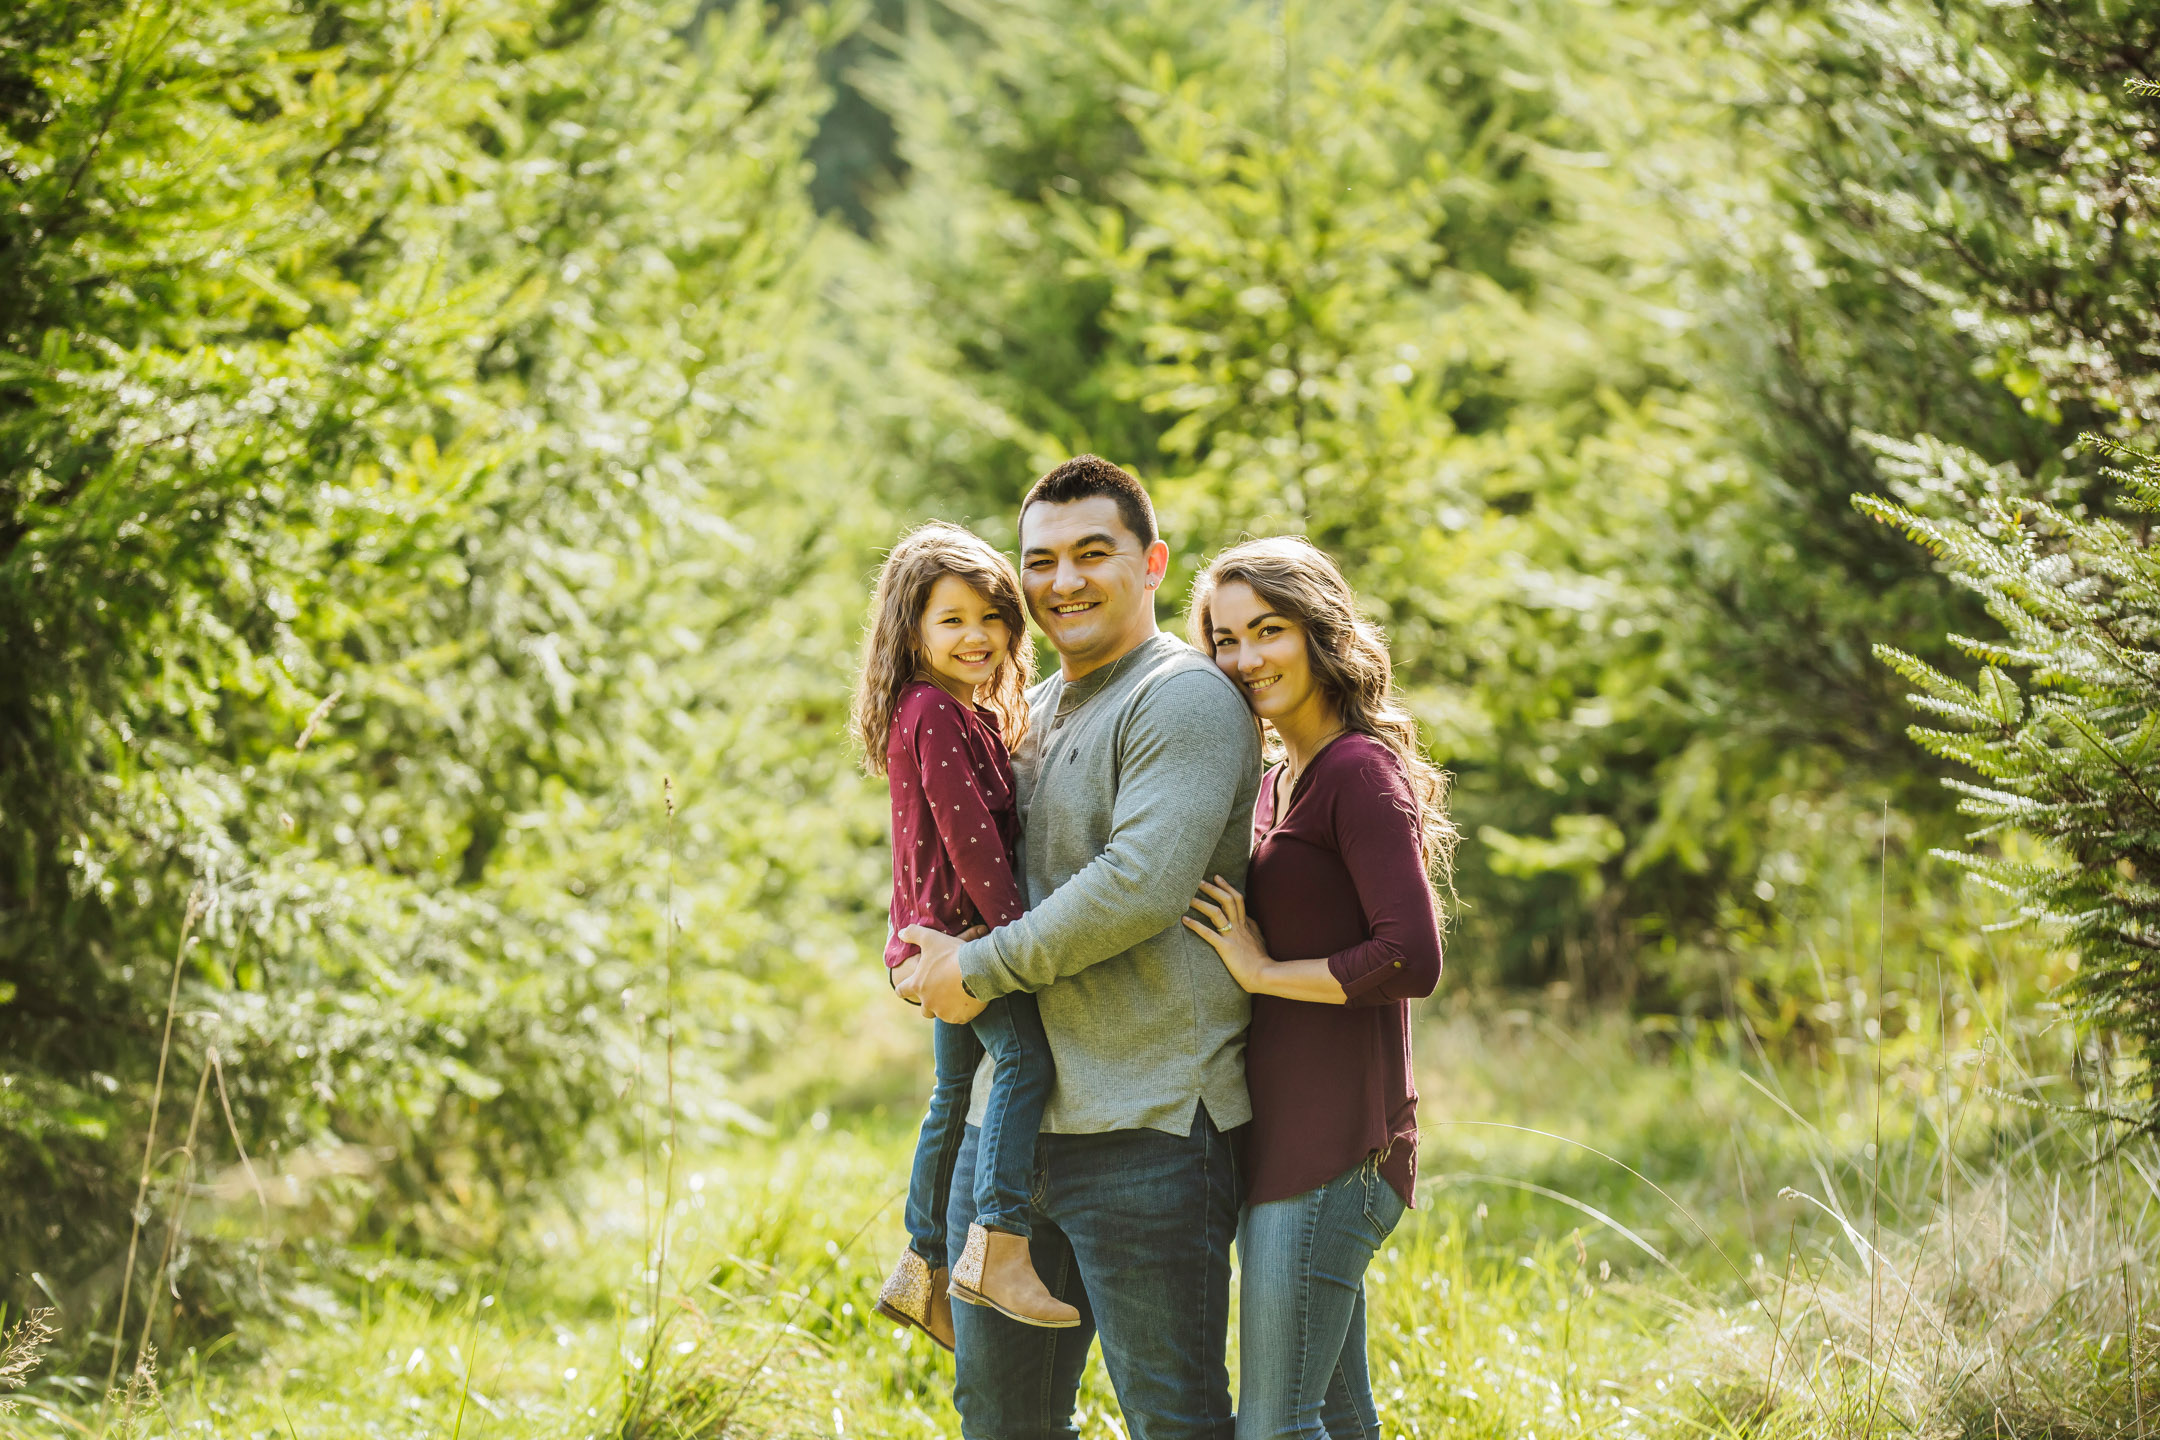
{"x": 965, "y": 823}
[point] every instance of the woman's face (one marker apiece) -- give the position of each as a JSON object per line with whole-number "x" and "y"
{"x": 1261, "y": 649}
{"x": 964, "y": 638}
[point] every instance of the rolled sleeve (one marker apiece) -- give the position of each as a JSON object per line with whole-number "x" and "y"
{"x": 1380, "y": 981}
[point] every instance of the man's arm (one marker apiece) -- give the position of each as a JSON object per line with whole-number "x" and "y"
{"x": 1189, "y": 750}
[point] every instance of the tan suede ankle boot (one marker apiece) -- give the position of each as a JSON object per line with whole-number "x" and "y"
{"x": 940, "y": 1327}
{"x": 915, "y": 1295}
{"x": 995, "y": 1270}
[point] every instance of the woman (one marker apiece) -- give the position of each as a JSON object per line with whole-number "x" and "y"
{"x": 1340, "y": 935}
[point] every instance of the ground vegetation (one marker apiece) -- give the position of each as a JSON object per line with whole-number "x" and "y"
{"x": 443, "y": 448}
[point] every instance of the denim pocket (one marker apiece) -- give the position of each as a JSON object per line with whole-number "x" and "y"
{"x": 1383, "y": 1207}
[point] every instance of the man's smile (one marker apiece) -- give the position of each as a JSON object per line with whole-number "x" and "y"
{"x": 1074, "y": 607}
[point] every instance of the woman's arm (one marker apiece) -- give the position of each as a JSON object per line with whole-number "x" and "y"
{"x": 1377, "y": 835}
{"x": 1244, "y": 954}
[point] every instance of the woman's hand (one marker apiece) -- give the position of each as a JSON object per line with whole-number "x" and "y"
{"x": 1231, "y": 931}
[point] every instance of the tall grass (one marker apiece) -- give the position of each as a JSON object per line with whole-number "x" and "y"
{"x": 1985, "y": 1272}
{"x": 139, "y": 1212}
{"x": 1859, "y": 1201}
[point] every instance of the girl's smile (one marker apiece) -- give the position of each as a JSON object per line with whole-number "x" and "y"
{"x": 964, "y": 638}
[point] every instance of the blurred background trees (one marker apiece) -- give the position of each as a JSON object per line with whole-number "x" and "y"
{"x": 394, "y": 495}
{"x": 423, "y": 428}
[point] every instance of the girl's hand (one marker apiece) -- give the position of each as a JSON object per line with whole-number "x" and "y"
{"x": 902, "y": 973}
{"x": 1231, "y": 931}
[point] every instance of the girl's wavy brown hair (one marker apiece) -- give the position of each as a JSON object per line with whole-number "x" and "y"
{"x": 1349, "y": 657}
{"x": 892, "y": 644}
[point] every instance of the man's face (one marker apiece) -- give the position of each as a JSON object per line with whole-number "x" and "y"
{"x": 1089, "y": 584}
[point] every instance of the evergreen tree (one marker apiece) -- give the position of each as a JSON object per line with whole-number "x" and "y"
{"x": 1365, "y": 272}
{"x": 2015, "y": 211}
{"x": 391, "y": 404}
{"x": 2073, "y": 757}
{"x": 1564, "y": 336}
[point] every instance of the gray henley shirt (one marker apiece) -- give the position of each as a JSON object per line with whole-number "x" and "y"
{"x": 1136, "y": 782}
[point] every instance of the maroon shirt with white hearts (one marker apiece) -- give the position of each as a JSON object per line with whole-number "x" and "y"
{"x": 955, "y": 824}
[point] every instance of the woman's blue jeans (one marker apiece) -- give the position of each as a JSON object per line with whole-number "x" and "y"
{"x": 1301, "y": 1309}
{"x": 1010, "y": 1029}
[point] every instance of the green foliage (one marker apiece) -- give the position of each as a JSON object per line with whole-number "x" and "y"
{"x": 1989, "y": 174}
{"x": 1978, "y": 179}
{"x": 387, "y": 501}
{"x": 1389, "y": 275}
{"x": 423, "y": 428}
{"x": 1564, "y": 330}
{"x": 2075, "y": 763}
{"x": 987, "y": 350}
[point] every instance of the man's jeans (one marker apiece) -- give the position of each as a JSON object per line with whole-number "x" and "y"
{"x": 1134, "y": 1228}
{"x": 1301, "y": 1309}
{"x": 1010, "y": 1028}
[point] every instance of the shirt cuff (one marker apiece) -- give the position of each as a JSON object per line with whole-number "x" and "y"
{"x": 1353, "y": 985}
{"x": 981, "y": 968}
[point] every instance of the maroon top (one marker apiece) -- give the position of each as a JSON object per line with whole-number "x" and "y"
{"x": 1341, "y": 876}
{"x": 955, "y": 829}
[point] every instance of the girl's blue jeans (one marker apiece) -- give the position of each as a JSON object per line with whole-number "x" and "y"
{"x": 1010, "y": 1029}
{"x": 1301, "y": 1309}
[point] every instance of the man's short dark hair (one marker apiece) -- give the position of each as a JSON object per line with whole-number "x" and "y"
{"x": 1086, "y": 475}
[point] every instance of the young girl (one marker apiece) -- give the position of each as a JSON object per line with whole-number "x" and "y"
{"x": 937, "y": 708}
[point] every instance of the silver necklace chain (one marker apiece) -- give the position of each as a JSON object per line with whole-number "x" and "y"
{"x": 1296, "y": 775}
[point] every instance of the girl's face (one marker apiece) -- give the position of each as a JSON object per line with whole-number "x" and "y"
{"x": 1262, "y": 650}
{"x": 964, "y": 638}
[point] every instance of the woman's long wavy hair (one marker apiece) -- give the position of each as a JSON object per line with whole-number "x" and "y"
{"x": 892, "y": 645}
{"x": 1349, "y": 657}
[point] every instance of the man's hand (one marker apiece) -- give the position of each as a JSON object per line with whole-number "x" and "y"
{"x": 937, "y": 980}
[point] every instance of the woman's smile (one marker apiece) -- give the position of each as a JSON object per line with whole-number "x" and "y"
{"x": 1266, "y": 653}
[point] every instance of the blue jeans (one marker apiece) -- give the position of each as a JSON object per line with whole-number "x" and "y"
{"x": 1010, "y": 1028}
{"x": 1301, "y": 1309}
{"x": 1134, "y": 1228}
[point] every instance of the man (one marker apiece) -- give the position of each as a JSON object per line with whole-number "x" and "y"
{"x": 1137, "y": 780}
